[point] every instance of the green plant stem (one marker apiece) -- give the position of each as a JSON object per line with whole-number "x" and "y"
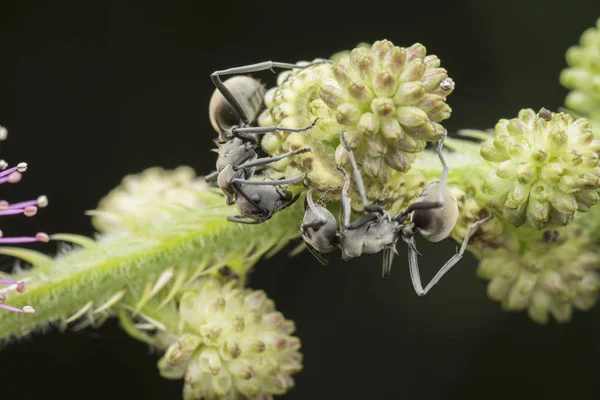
{"x": 190, "y": 244}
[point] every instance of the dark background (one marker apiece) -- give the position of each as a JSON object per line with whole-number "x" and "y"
{"x": 91, "y": 92}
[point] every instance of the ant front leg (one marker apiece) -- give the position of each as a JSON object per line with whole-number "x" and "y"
{"x": 289, "y": 181}
{"x": 247, "y": 133}
{"x": 360, "y": 186}
{"x": 246, "y": 69}
{"x": 268, "y": 160}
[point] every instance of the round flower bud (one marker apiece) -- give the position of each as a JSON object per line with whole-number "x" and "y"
{"x": 150, "y": 197}
{"x": 583, "y": 76}
{"x": 232, "y": 344}
{"x": 545, "y": 168}
{"x": 388, "y": 99}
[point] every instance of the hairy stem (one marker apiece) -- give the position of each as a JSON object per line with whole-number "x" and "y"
{"x": 192, "y": 243}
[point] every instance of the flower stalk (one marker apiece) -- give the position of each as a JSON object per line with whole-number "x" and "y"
{"x": 191, "y": 241}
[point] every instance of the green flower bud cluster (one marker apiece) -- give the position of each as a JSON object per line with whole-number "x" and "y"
{"x": 583, "y": 76}
{"x": 388, "y": 99}
{"x": 148, "y": 198}
{"x": 545, "y": 168}
{"x": 231, "y": 344}
{"x": 546, "y": 273}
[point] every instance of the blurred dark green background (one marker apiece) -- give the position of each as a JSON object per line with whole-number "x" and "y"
{"x": 91, "y": 91}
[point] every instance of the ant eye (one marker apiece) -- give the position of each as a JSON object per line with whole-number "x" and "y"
{"x": 255, "y": 198}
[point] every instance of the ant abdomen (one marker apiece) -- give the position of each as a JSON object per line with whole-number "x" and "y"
{"x": 435, "y": 224}
{"x": 249, "y": 93}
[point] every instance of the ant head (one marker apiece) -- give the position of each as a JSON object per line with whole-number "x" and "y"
{"x": 263, "y": 200}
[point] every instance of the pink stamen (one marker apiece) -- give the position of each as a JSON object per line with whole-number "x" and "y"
{"x": 39, "y": 237}
{"x": 11, "y": 282}
{"x": 41, "y": 202}
{"x": 26, "y": 309}
{"x": 14, "y": 211}
{"x": 21, "y": 167}
{"x": 12, "y": 178}
{"x": 30, "y": 211}
{"x": 20, "y": 289}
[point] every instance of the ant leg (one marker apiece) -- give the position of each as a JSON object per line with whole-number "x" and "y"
{"x": 317, "y": 254}
{"x": 444, "y": 176}
{"x": 211, "y": 177}
{"x": 414, "y": 266}
{"x": 345, "y": 202}
{"x": 358, "y": 179}
{"x": 388, "y": 258}
{"x": 345, "y": 211}
{"x": 268, "y": 160}
{"x": 289, "y": 181}
{"x": 427, "y": 205}
{"x": 246, "y": 69}
{"x": 241, "y": 220}
{"x": 242, "y": 133}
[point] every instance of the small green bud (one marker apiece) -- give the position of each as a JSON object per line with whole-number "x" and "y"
{"x": 586, "y": 199}
{"x": 391, "y": 129}
{"x": 332, "y": 96}
{"x": 385, "y": 84}
{"x": 360, "y": 94}
{"x": 409, "y": 93}
{"x": 348, "y": 114}
{"x": 383, "y": 107}
{"x": 538, "y": 213}
{"x": 368, "y": 125}
{"x": 373, "y": 166}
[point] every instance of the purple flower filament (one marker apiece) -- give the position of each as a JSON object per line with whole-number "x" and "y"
{"x": 28, "y": 208}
